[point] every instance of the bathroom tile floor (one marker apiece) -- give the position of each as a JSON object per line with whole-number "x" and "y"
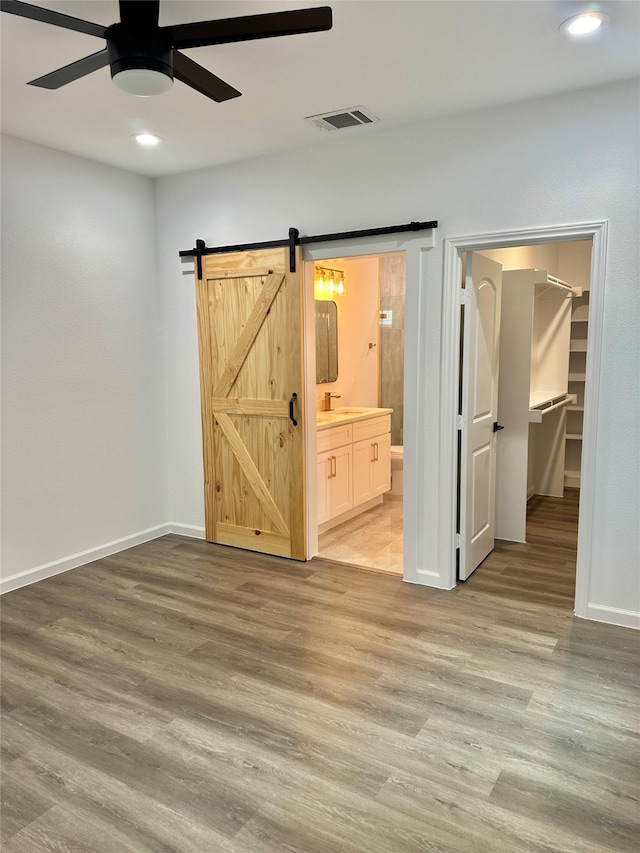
{"x": 372, "y": 539}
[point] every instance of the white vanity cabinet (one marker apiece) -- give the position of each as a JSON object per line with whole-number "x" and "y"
{"x": 335, "y": 472}
{"x": 371, "y": 459}
{"x": 354, "y": 464}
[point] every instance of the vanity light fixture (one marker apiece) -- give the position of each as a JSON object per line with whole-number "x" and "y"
{"x": 328, "y": 283}
{"x": 147, "y": 140}
{"x": 584, "y": 24}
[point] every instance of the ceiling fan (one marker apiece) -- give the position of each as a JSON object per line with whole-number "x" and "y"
{"x": 144, "y": 57}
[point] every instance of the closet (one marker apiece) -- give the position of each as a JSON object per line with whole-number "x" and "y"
{"x": 533, "y": 394}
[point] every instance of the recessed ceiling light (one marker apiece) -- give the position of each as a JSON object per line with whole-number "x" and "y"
{"x": 148, "y": 140}
{"x": 585, "y": 23}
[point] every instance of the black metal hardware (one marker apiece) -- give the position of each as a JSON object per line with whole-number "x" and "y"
{"x": 201, "y": 248}
{"x": 293, "y": 242}
{"x": 294, "y": 397}
{"x": 370, "y": 232}
{"x": 497, "y": 427}
{"x": 294, "y": 239}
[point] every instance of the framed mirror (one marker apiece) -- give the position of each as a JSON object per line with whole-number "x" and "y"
{"x": 326, "y": 341}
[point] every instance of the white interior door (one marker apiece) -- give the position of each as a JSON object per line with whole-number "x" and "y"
{"x": 480, "y": 362}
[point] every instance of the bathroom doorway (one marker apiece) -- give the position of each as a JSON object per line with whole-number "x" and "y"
{"x": 359, "y": 408}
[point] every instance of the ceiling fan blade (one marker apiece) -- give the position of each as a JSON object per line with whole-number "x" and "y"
{"x": 72, "y": 72}
{"x": 227, "y": 30}
{"x": 47, "y": 16}
{"x": 139, "y": 14}
{"x": 203, "y": 81}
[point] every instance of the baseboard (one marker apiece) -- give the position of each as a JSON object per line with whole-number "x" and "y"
{"x": 349, "y": 514}
{"x": 435, "y": 580}
{"x": 73, "y": 561}
{"x": 599, "y": 613}
{"x": 186, "y": 530}
{"x": 613, "y": 616}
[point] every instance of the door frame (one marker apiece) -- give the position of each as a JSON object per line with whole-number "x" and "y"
{"x": 418, "y": 248}
{"x": 453, "y": 248}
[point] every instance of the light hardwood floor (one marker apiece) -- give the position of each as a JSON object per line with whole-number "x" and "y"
{"x": 186, "y": 697}
{"x": 372, "y": 539}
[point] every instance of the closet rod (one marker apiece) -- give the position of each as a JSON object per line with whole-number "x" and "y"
{"x": 553, "y": 281}
{"x": 538, "y": 412}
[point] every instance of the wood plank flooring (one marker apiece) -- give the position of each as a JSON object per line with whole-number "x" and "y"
{"x": 543, "y": 569}
{"x": 186, "y": 697}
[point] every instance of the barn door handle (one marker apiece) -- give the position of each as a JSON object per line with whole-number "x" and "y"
{"x": 294, "y": 397}
{"x": 497, "y": 427}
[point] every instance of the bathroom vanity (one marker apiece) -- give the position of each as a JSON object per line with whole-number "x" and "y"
{"x": 354, "y": 462}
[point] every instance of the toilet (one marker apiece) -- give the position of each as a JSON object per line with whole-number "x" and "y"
{"x": 397, "y": 454}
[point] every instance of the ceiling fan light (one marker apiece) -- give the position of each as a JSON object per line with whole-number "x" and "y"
{"x": 142, "y": 82}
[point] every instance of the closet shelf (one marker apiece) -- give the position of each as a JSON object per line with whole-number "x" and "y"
{"x": 578, "y": 345}
{"x": 575, "y": 408}
{"x": 577, "y": 377}
{"x": 574, "y": 436}
{"x": 536, "y": 413}
{"x": 542, "y": 277}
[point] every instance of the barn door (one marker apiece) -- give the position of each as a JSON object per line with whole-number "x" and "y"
{"x": 251, "y": 382}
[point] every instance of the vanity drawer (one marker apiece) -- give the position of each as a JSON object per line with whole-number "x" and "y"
{"x": 371, "y": 427}
{"x": 337, "y": 436}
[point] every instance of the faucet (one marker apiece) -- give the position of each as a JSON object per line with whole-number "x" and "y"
{"x": 326, "y": 406}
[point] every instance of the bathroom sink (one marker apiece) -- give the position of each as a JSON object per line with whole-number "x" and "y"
{"x": 348, "y": 413}
{"x": 339, "y": 414}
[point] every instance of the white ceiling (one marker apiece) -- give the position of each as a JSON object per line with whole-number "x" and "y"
{"x": 403, "y": 61}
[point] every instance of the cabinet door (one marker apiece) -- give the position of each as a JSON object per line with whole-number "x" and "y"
{"x": 371, "y": 468}
{"x": 324, "y": 490}
{"x": 381, "y": 465}
{"x": 363, "y": 455}
{"x": 341, "y": 492}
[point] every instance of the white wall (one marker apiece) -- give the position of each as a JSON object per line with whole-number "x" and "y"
{"x": 82, "y": 365}
{"x": 563, "y": 159}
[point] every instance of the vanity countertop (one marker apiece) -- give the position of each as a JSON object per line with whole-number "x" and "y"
{"x": 347, "y": 414}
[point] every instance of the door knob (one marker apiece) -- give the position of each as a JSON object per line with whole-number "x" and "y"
{"x": 497, "y": 427}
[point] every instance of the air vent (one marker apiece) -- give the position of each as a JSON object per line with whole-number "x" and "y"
{"x": 340, "y": 119}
